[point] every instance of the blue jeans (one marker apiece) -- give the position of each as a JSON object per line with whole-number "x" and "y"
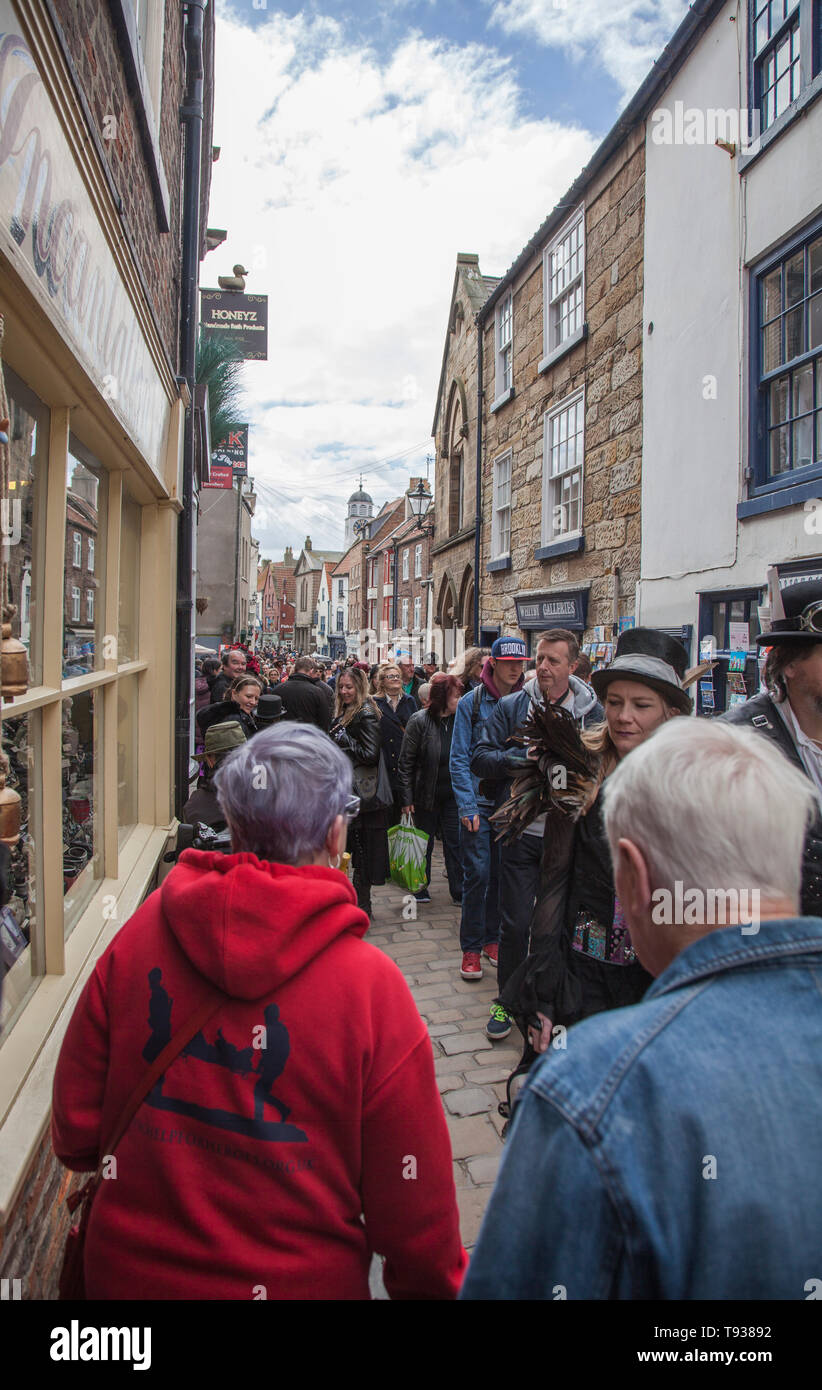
{"x": 479, "y": 925}
{"x": 519, "y": 882}
{"x": 444, "y": 821}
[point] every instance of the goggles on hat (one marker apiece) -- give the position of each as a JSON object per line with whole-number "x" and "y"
{"x": 810, "y": 619}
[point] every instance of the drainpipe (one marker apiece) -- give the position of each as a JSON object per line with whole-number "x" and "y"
{"x": 191, "y": 117}
{"x": 480, "y": 394}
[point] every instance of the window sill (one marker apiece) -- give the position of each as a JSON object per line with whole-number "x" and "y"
{"x": 778, "y": 500}
{"x": 553, "y": 357}
{"x": 502, "y": 400}
{"x": 781, "y": 124}
{"x": 572, "y": 545}
{"x": 503, "y": 562}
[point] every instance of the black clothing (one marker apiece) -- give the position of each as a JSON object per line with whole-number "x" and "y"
{"x": 304, "y": 701}
{"x": 392, "y": 728}
{"x": 367, "y": 835}
{"x": 443, "y": 821}
{"x": 204, "y": 807}
{"x": 327, "y": 694}
{"x": 444, "y": 770}
{"x": 220, "y": 686}
{"x": 223, "y": 712}
{"x": 419, "y": 765}
{"x": 761, "y": 714}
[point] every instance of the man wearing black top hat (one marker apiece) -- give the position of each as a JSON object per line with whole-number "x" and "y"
{"x": 790, "y": 714}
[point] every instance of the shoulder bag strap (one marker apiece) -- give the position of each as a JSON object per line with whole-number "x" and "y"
{"x": 161, "y": 1062}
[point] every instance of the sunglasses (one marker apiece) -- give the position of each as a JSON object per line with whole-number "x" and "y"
{"x": 352, "y": 808}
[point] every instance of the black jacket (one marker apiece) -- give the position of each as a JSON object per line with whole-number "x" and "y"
{"x": 392, "y": 727}
{"x": 360, "y": 740}
{"x": 220, "y": 686}
{"x": 203, "y": 807}
{"x": 420, "y": 761}
{"x": 224, "y": 711}
{"x": 304, "y": 702}
{"x": 761, "y": 714}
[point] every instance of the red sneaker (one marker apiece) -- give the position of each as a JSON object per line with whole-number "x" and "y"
{"x": 471, "y": 968}
{"x": 491, "y": 952}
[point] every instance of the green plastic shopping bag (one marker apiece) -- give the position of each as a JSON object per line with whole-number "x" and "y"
{"x": 407, "y": 848}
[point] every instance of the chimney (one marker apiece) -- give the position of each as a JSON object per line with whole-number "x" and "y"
{"x": 307, "y": 545}
{"x": 288, "y": 558}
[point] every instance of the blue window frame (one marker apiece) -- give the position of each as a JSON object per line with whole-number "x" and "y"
{"x": 786, "y": 357}
{"x": 786, "y": 54}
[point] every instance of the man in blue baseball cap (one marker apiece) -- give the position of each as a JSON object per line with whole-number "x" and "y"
{"x": 479, "y": 926}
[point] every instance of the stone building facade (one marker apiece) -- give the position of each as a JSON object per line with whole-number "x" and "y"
{"x": 453, "y": 553}
{"x": 562, "y": 417}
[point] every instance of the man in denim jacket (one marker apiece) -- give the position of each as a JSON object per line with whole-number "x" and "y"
{"x": 671, "y": 1150}
{"x": 479, "y": 924}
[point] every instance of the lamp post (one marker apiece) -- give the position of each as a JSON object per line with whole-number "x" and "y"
{"x": 419, "y": 501}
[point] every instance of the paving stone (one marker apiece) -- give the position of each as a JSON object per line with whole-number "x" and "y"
{"x": 472, "y": 1202}
{"x": 461, "y": 1178}
{"x": 449, "y": 1083}
{"x": 406, "y": 935}
{"x": 503, "y": 1057}
{"x": 444, "y": 1032}
{"x": 432, "y": 992}
{"x": 464, "y": 1042}
{"x": 485, "y": 1169}
{"x": 470, "y": 1100}
{"x": 485, "y": 1076}
{"x": 471, "y": 1136}
{"x": 445, "y": 1016}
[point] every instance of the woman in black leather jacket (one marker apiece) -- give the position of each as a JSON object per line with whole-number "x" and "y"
{"x": 425, "y": 778}
{"x": 396, "y": 709}
{"x": 356, "y": 731}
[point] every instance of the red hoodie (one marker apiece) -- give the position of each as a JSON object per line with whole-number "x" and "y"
{"x": 283, "y": 1165}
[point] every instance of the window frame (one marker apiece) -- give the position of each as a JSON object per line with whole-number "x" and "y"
{"x": 77, "y": 541}
{"x": 810, "y": 66}
{"x": 498, "y": 552}
{"x": 404, "y": 621}
{"x": 794, "y": 485}
{"x": 417, "y": 612}
{"x": 548, "y": 537}
{"x": 504, "y": 350}
{"x": 418, "y": 560}
{"x": 553, "y": 345}
{"x": 405, "y": 556}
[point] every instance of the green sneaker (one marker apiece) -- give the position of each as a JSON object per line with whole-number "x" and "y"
{"x": 499, "y": 1024}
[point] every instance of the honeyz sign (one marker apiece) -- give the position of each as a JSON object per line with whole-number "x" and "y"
{"x": 50, "y": 233}
{"x": 240, "y": 318}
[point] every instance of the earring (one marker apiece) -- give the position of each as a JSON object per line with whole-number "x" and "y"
{"x": 335, "y": 862}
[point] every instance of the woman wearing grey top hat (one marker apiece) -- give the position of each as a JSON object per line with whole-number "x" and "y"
{"x": 581, "y": 960}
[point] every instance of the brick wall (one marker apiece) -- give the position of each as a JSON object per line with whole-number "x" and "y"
{"x": 92, "y": 43}
{"x": 609, "y": 366}
{"x": 33, "y": 1239}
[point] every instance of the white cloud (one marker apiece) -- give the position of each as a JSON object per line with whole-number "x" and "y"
{"x": 350, "y": 181}
{"x": 626, "y": 36}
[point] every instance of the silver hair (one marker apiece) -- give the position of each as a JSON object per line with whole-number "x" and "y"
{"x": 281, "y": 791}
{"x": 712, "y": 806}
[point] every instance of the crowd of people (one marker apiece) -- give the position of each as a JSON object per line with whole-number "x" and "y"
{"x": 650, "y": 882}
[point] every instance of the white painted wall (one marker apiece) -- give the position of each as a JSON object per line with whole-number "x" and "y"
{"x": 703, "y": 227}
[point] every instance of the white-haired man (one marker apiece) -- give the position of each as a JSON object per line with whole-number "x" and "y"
{"x": 665, "y": 1154}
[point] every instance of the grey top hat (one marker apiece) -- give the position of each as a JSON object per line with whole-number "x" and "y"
{"x": 652, "y": 658}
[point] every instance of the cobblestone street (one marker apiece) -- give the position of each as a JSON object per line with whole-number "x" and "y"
{"x": 471, "y": 1071}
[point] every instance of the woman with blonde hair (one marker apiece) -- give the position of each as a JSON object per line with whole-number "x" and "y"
{"x": 356, "y": 731}
{"x": 582, "y": 961}
{"x": 396, "y": 709}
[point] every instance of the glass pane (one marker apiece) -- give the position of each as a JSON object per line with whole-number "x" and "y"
{"x": 794, "y": 333}
{"x": 23, "y": 520}
{"x": 84, "y": 570}
{"x": 129, "y": 598}
{"x": 783, "y": 57}
{"x": 815, "y": 265}
{"x": 802, "y": 442}
{"x": 815, "y": 321}
{"x": 795, "y": 279}
{"x": 127, "y": 766}
{"x": 802, "y": 390}
{"x": 772, "y": 295}
{"x": 818, "y": 435}
{"x": 21, "y": 945}
{"x": 737, "y": 613}
{"x": 780, "y": 458}
{"x": 772, "y": 346}
{"x": 761, "y": 31}
{"x": 720, "y": 619}
{"x": 82, "y": 809}
{"x": 779, "y": 400}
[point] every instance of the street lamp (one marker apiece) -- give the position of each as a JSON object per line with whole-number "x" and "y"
{"x": 419, "y": 500}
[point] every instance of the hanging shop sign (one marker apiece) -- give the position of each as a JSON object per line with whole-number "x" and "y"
{"x": 49, "y": 231}
{"x": 220, "y": 475}
{"x": 233, "y": 450}
{"x": 539, "y": 611}
{"x": 240, "y": 319}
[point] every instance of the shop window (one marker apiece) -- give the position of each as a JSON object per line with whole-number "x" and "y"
{"x": 129, "y": 596}
{"x": 728, "y": 627}
{"x": 24, "y": 516}
{"x": 82, "y": 825}
{"x": 21, "y": 932}
{"x": 127, "y": 764}
{"x": 86, "y": 495}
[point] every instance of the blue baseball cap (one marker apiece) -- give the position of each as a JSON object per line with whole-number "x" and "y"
{"x": 509, "y": 649}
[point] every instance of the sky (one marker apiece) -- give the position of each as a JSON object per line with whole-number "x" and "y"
{"x": 362, "y": 146}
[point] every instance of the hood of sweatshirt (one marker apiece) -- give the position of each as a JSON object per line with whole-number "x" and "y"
{"x": 584, "y": 697}
{"x": 248, "y": 925}
{"x": 487, "y": 678}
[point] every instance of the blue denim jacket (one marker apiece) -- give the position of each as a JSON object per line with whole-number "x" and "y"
{"x": 674, "y": 1149}
{"x": 466, "y": 733}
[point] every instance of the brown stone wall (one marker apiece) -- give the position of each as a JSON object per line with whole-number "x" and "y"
{"x": 93, "y": 46}
{"x": 609, "y": 365}
{"x": 33, "y": 1239}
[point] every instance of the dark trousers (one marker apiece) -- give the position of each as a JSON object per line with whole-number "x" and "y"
{"x": 479, "y": 925}
{"x": 519, "y": 881}
{"x": 443, "y": 820}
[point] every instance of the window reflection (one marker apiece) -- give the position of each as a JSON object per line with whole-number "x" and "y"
{"x": 82, "y": 826}
{"x": 21, "y": 953}
{"x": 126, "y": 756}
{"x": 22, "y": 519}
{"x": 129, "y": 604}
{"x": 84, "y": 584}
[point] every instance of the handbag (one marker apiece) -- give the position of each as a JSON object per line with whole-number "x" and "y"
{"x": 72, "y": 1285}
{"x": 373, "y": 786}
{"x": 408, "y": 849}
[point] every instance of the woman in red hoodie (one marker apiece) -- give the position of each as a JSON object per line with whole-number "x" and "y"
{"x": 301, "y": 1127}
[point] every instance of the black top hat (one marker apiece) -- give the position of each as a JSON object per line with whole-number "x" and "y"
{"x": 651, "y": 658}
{"x": 269, "y": 710}
{"x": 803, "y": 616}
